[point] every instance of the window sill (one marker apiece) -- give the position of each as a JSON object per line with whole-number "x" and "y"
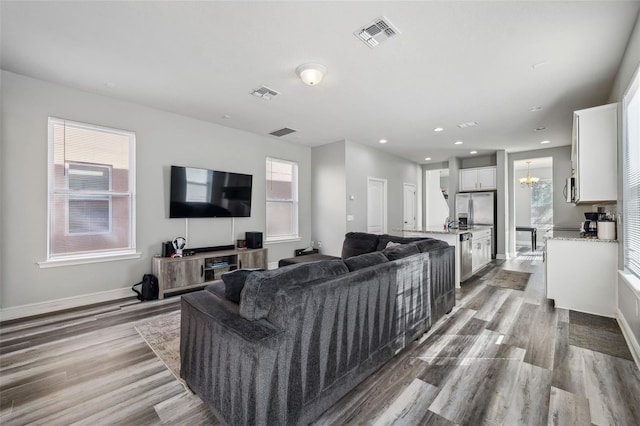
{"x": 282, "y": 240}
{"x": 631, "y": 280}
{"x": 82, "y": 260}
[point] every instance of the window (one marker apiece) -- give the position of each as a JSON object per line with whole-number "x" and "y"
{"x": 631, "y": 177}
{"x": 282, "y": 200}
{"x": 91, "y": 191}
{"x": 542, "y": 204}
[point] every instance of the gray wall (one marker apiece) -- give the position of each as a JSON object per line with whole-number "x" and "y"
{"x": 163, "y": 139}
{"x": 564, "y": 214}
{"x": 363, "y": 162}
{"x": 628, "y": 298}
{"x": 340, "y": 171}
{"x": 328, "y": 191}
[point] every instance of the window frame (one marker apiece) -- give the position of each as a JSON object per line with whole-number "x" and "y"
{"x": 633, "y": 92}
{"x": 294, "y": 202}
{"x": 66, "y": 259}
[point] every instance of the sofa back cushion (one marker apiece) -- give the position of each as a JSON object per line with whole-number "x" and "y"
{"x": 362, "y": 261}
{"x": 384, "y": 240}
{"x": 398, "y": 252}
{"x": 234, "y": 283}
{"x": 429, "y": 244}
{"x": 356, "y": 243}
{"x": 261, "y": 287}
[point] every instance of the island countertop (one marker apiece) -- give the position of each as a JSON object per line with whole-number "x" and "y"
{"x": 441, "y": 230}
{"x": 572, "y": 235}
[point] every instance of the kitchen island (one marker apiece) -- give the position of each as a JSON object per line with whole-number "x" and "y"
{"x": 580, "y": 273}
{"x": 452, "y": 237}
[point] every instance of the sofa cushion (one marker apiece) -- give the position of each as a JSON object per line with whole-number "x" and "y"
{"x": 234, "y": 283}
{"x": 356, "y": 243}
{"x": 430, "y": 244}
{"x": 384, "y": 240}
{"x": 398, "y": 252}
{"x": 261, "y": 287}
{"x": 362, "y": 261}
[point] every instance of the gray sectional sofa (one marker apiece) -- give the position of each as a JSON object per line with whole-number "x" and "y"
{"x": 304, "y": 335}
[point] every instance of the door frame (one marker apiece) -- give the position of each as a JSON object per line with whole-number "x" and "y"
{"x": 413, "y": 186}
{"x": 384, "y": 201}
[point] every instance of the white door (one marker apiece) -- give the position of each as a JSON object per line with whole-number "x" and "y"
{"x": 409, "y": 206}
{"x": 376, "y": 206}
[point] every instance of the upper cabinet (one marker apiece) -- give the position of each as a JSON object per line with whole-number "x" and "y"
{"x": 594, "y": 154}
{"x": 478, "y": 179}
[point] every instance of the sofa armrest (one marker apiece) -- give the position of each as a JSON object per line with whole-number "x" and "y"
{"x": 229, "y": 361}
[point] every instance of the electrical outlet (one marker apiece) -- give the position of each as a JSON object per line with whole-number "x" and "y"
{"x": 319, "y": 244}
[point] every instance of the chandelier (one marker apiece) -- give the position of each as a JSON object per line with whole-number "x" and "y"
{"x": 529, "y": 181}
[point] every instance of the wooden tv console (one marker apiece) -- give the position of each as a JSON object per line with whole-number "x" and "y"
{"x": 201, "y": 269}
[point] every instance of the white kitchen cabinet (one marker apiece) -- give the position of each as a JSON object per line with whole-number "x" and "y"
{"x": 478, "y": 179}
{"x": 480, "y": 250}
{"x": 594, "y": 154}
{"x": 581, "y": 275}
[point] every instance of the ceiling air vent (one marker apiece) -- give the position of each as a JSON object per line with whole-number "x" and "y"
{"x": 468, "y": 124}
{"x": 282, "y": 132}
{"x": 376, "y": 32}
{"x": 264, "y": 92}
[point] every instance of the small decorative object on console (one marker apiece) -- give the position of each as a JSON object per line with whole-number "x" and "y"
{"x": 304, "y": 251}
{"x": 178, "y": 245}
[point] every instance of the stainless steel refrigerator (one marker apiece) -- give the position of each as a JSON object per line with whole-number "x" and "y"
{"x": 480, "y": 208}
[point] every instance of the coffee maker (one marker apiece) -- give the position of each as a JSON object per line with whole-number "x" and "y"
{"x": 589, "y": 228}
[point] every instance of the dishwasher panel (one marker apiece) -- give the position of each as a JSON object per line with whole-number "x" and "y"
{"x": 466, "y": 264}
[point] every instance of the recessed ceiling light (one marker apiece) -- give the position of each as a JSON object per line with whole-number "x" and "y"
{"x": 457, "y": 143}
{"x": 427, "y": 159}
{"x": 438, "y": 129}
{"x": 545, "y": 142}
{"x": 226, "y": 116}
{"x": 468, "y": 124}
{"x": 535, "y": 109}
{"x": 473, "y": 152}
{"x": 539, "y": 129}
{"x": 382, "y": 141}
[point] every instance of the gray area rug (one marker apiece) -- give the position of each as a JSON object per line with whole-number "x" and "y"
{"x": 515, "y": 280}
{"x": 162, "y": 334}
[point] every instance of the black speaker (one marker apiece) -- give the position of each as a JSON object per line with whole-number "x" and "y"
{"x": 254, "y": 239}
{"x": 167, "y": 249}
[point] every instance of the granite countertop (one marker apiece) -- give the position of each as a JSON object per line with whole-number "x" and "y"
{"x": 440, "y": 229}
{"x": 571, "y": 235}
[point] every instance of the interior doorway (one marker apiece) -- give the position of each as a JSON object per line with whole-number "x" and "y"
{"x": 376, "y": 205}
{"x": 533, "y": 200}
{"x": 410, "y": 206}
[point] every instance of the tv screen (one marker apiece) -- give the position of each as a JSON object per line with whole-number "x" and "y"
{"x": 209, "y": 193}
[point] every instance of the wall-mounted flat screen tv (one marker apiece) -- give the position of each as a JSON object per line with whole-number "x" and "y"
{"x": 209, "y": 193}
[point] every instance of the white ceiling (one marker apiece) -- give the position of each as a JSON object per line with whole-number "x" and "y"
{"x": 453, "y": 62}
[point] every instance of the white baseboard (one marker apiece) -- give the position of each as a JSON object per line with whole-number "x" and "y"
{"x": 272, "y": 265}
{"x": 634, "y": 347}
{"x": 40, "y": 308}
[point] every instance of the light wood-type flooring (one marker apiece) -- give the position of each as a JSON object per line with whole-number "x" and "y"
{"x": 502, "y": 357}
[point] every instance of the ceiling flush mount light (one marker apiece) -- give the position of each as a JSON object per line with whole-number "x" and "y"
{"x": 529, "y": 180}
{"x": 473, "y": 152}
{"x": 382, "y": 141}
{"x": 545, "y": 142}
{"x": 427, "y": 159}
{"x": 438, "y": 129}
{"x": 311, "y": 74}
{"x": 457, "y": 143}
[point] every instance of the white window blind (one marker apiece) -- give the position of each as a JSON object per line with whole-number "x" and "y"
{"x": 631, "y": 177}
{"x": 282, "y": 199}
{"x": 91, "y": 190}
